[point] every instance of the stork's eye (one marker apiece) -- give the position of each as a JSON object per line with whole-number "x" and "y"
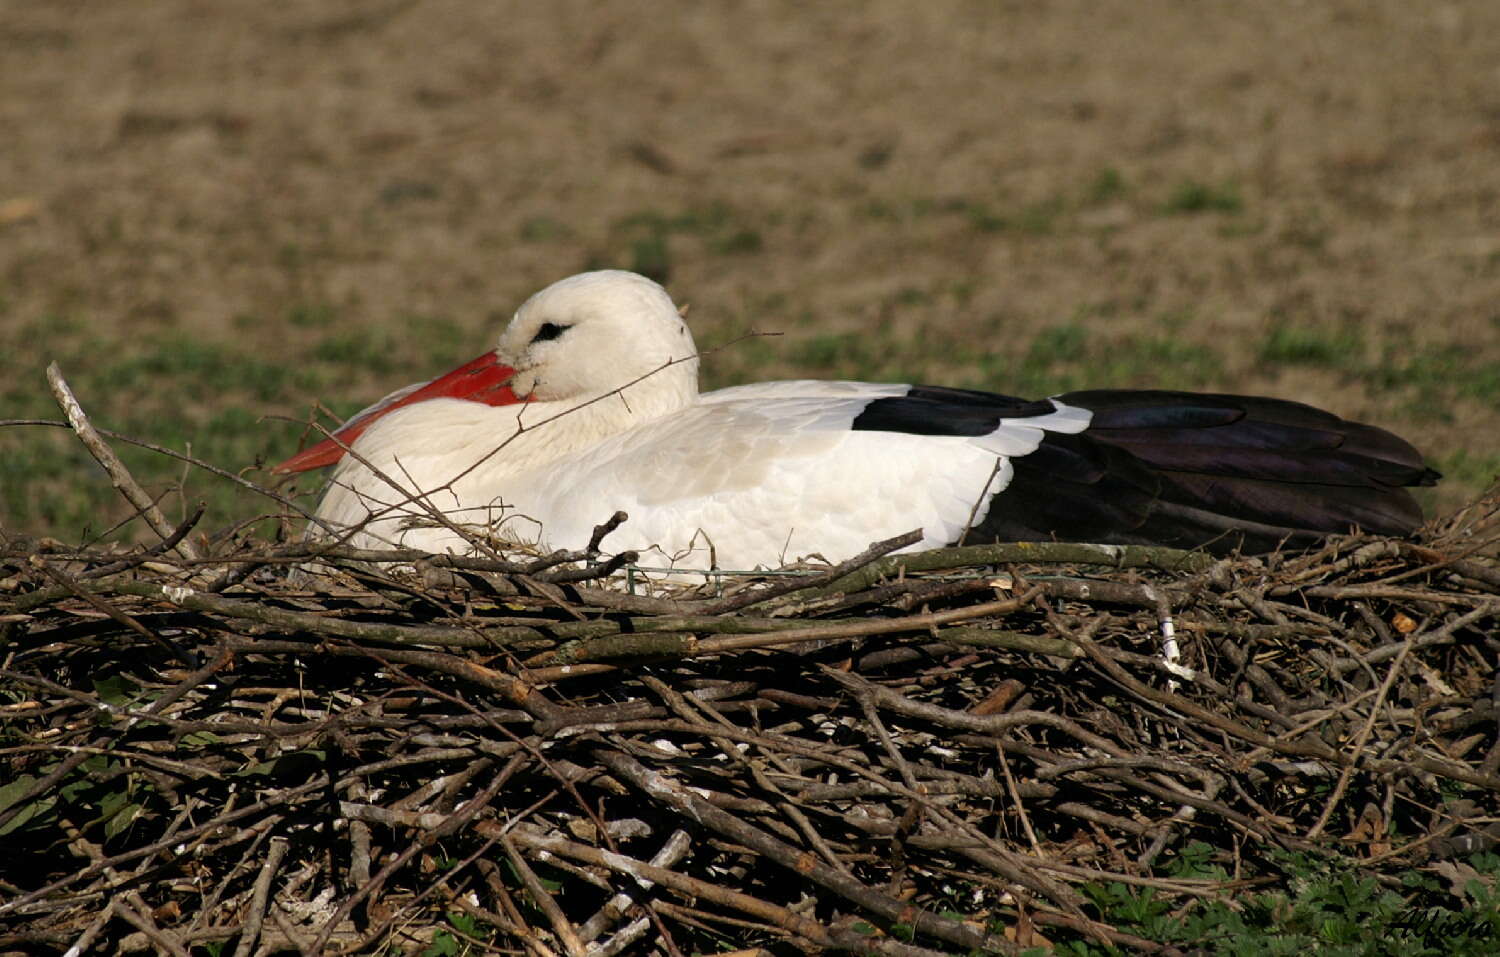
{"x": 548, "y": 331}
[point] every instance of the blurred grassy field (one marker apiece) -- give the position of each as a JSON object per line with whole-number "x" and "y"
{"x": 211, "y": 214}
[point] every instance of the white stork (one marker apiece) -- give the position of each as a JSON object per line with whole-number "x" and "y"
{"x": 590, "y": 404}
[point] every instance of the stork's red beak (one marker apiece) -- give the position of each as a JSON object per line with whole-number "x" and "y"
{"x": 481, "y": 380}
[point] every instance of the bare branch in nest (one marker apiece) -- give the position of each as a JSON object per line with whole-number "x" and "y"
{"x": 837, "y": 573}
{"x": 614, "y": 522}
{"x": 110, "y": 462}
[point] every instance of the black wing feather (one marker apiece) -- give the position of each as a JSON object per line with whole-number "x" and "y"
{"x": 1177, "y": 468}
{"x": 934, "y": 410}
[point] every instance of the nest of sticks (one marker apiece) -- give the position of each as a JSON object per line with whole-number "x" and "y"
{"x": 924, "y": 753}
{"x": 903, "y": 754}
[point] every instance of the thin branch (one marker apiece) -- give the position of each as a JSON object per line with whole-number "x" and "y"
{"x": 123, "y": 481}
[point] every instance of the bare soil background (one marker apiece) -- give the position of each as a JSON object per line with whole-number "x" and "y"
{"x": 211, "y": 212}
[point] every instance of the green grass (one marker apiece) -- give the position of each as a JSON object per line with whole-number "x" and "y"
{"x": 1474, "y": 469}
{"x": 1040, "y": 218}
{"x": 1194, "y": 196}
{"x": 1073, "y": 355}
{"x": 1109, "y": 185}
{"x": 1290, "y": 344}
{"x": 644, "y": 241}
{"x": 1197, "y": 197}
{"x": 1318, "y": 905}
{"x": 305, "y": 316}
{"x": 1046, "y": 216}
{"x": 1435, "y": 371}
{"x": 740, "y": 242}
{"x": 1034, "y": 218}
{"x": 1427, "y": 379}
{"x": 541, "y": 229}
{"x": 1081, "y": 354}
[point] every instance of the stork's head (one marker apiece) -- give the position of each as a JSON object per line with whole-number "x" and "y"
{"x": 580, "y": 338}
{"x": 596, "y": 332}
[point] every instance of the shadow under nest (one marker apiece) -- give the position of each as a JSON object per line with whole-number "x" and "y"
{"x": 909, "y": 754}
